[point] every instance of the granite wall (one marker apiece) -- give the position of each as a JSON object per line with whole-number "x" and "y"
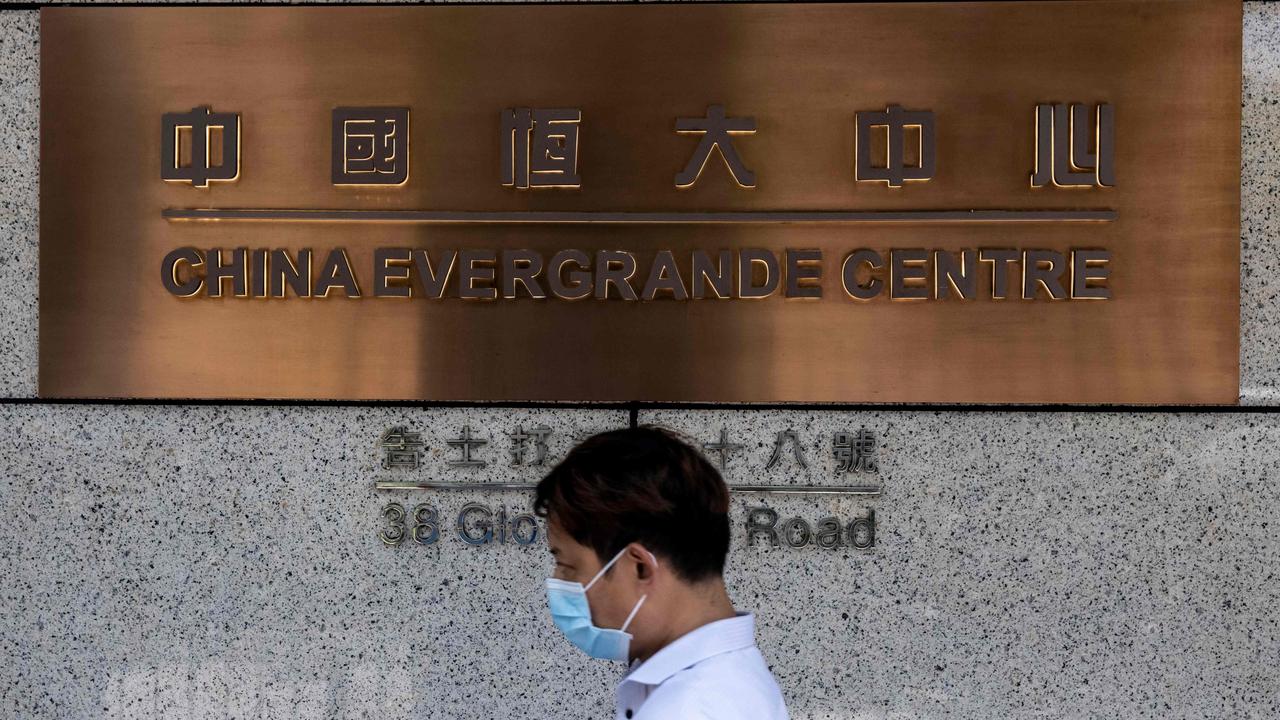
{"x": 223, "y": 560}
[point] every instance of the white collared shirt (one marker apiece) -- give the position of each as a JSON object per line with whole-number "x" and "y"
{"x": 714, "y": 672}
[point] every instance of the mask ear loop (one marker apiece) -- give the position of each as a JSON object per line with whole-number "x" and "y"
{"x": 636, "y": 609}
{"x": 606, "y": 567}
{"x": 630, "y": 617}
{"x": 609, "y": 565}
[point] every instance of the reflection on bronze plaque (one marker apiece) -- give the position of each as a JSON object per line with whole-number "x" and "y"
{"x": 937, "y": 202}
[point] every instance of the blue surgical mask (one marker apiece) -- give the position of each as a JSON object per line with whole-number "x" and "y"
{"x": 571, "y": 612}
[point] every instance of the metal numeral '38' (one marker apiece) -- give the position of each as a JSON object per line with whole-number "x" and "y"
{"x": 424, "y": 531}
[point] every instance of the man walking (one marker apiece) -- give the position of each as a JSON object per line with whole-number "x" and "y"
{"x": 638, "y": 523}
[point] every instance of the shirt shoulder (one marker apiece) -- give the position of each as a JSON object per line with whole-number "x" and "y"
{"x": 734, "y": 685}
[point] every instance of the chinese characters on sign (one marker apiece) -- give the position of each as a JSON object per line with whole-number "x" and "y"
{"x": 716, "y": 130}
{"x": 1071, "y": 151}
{"x": 370, "y": 146}
{"x": 403, "y": 449}
{"x": 895, "y": 122}
{"x": 540, "y": 149}
{"x": 200, "y": 146}
{"x": 853, "y": 452}
{"x": 927, "y": 212}
{"x": 478, "y": 524}
{"x": 779, "y": 442}
{"x": 400, "y": 448}
{"x": 856, "y": 453}
{"x": 540, "y": 146}
{"x": 520, "y": 440}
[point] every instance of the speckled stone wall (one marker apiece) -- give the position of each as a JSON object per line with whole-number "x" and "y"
{"x": 190, "y": 562}
{"x": 222, "y": 561}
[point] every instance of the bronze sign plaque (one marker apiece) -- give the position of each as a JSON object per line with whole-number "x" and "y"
{"x": 928, "y": 202}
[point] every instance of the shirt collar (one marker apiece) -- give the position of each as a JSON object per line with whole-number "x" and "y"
{"x": 714, "y": 638}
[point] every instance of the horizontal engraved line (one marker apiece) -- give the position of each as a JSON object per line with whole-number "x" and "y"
{"x": 640, "y": 218}
{"x": 868, "y": 490}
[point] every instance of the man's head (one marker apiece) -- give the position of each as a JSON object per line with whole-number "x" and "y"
{"x": 644, "y": 493}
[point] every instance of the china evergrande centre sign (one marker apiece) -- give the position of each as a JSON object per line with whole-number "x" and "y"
{"x": 945, "y": 202}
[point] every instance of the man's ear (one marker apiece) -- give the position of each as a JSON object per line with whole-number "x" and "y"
{"x": 646, "y": 562}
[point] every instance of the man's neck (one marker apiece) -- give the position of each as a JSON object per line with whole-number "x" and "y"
{"x": 703, "y": 603}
